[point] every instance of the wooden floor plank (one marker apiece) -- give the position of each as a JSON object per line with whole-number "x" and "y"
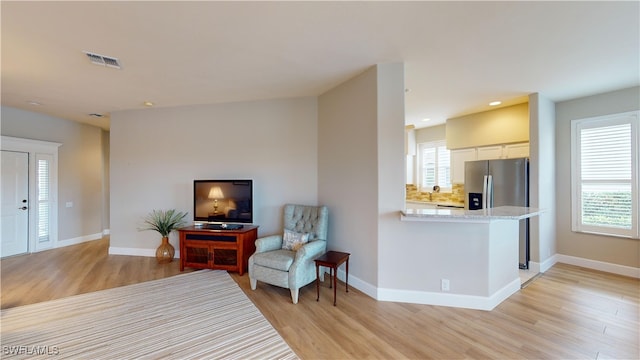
{"x": 569, "y": 312}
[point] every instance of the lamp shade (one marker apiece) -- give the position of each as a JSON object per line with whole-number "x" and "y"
{"x": 216, "y": 193}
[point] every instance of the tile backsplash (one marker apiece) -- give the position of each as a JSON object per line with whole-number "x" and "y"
{"x": 455, "y": 196}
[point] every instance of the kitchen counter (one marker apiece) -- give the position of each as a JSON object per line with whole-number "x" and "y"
{"x": 476, "y": 251}
{"x": 483, "y": 215}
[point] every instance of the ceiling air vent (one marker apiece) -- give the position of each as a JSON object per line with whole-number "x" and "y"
{"x": 103, "y": 60}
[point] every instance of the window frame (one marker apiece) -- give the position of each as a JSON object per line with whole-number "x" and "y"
{"x": 420, "y": 169}
{"x": 577, "y": 182}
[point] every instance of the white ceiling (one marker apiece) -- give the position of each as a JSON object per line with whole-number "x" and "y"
{"x": 458, "y": 55}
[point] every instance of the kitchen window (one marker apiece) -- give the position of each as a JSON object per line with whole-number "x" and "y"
{"x": 604, "y": 172}
{"x": 434, "y": 161}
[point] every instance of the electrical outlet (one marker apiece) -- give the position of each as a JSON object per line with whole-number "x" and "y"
{"x": 444, "y": 284}
{"x": 69, "y": 204}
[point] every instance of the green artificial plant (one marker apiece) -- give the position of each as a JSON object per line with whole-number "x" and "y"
{"x": 164, "y": 221}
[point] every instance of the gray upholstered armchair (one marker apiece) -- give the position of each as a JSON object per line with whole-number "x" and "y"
{"x": 291, "y": 269}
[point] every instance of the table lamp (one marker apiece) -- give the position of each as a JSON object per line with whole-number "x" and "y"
{"x": 215, "y": 193}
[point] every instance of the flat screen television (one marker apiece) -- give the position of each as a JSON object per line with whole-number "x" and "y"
{"x": 223, "y": 201}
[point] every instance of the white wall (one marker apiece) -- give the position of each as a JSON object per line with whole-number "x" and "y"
{"x": 361, "y": 168}
{"x": 157, "y": 153}
{"x": 608, "y": 249}
{"x": 361, "y": 178}
{"x": 348, "y": 171}
{"x": 80, "y": 169}
{"x": 542, "y": 177}
{"x": 361, "y": 136}
{"x": 391, "y": 174}
{"x": 432, "y": 133}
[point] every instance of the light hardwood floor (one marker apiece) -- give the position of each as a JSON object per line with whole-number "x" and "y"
{"x": 567, "y": 313}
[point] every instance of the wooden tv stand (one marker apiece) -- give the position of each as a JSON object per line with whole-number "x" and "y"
{"x": 204, "y": 248}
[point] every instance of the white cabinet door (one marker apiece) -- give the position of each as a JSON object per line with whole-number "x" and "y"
{"x": 516, "y": 150}
{"x": 490, "y": 152}
{"x": 458, "y": 158}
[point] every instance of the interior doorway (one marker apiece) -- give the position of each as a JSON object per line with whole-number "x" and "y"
{"x": 15, "y": 203}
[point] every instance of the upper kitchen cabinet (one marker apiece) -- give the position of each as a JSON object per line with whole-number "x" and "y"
{"x": 512, "y": 151}
{"x": 508, "y": 151}
{"x": 489, "y": 152}
{"x": 460, "y": 156}
{"x": 507, "y": 125}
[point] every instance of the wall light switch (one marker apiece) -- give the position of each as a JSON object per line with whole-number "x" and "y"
{"x": 69, "y": 204}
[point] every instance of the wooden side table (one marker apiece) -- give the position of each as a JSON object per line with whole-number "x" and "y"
{"x": 332, "y": 259}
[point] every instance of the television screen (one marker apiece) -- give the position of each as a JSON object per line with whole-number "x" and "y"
{"x": 225, "y": 201}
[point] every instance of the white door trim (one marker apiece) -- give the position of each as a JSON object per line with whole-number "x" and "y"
{"x": 35, "y": 147}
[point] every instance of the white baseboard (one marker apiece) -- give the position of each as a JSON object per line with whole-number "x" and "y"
{"x": 547, "y": 264}
{"x": 452, "y": 300}
{"x": 599, "y": 265}
{"x": 359, "y": 284}
{"x": 534, "y": 267}
{"x": 106, "y": 231}
{"x": 77, "y": 240}
{"x": 137, "y": 252}
{"x": 478, "y": 302}
{"x": 586, "y": 263}
{"x": 430, "y": 298}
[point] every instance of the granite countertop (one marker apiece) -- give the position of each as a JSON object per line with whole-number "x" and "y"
{"x": 451, "y": 214}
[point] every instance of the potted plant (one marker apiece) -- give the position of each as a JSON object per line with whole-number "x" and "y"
{"x": 164, "y": 222}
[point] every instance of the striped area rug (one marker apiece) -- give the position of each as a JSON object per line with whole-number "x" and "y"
{"x": 199, "y": 315}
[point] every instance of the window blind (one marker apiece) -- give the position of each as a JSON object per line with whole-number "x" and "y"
{"x": 605, "y": 175}
{"x": 435, "y": 161}
{"x": 43, "y": 186}
{"x": 444, "y": 165}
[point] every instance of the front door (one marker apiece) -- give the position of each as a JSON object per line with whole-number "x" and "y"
{"x": 15, "y": 203}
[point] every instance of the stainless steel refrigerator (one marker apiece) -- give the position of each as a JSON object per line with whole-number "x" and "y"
{"x": 492, "y": 183}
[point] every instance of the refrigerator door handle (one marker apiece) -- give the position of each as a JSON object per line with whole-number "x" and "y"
{"x": 489, "y": 191}
{"x": 485, "y": 193}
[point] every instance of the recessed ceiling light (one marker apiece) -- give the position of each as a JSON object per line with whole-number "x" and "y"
{"x": 147, "y": 103}
{"x": 495, "y": 103}
{"x": 426, "y": 119}
{"x": 34, "y": 103}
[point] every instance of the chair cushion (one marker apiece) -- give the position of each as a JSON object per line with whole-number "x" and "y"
{"x": 292, "y": 240}
{"x": 277, "y": 259}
